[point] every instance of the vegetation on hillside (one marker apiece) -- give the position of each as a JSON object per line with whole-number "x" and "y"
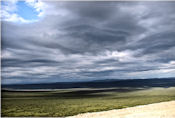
{"x": 74, "y": 101}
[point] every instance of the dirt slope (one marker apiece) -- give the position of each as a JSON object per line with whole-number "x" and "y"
{"x": 156, "y": 110}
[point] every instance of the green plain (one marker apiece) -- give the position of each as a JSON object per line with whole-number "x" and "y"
{"x": 74, "y": 101}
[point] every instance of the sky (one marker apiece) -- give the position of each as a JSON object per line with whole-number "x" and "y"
{"x": 58, "y": 41}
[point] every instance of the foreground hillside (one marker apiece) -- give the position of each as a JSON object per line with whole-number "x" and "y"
{"x": 156, "y": 110}
{"x": 75, "y": 101}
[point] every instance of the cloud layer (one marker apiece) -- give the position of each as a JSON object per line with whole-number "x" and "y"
{"x": 79, "y": 41}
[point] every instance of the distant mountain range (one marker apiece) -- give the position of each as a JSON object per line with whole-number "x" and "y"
{"x": 107, "y": 83}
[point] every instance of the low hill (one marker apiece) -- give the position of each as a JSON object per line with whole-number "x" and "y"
{"x": 143, "y": 83}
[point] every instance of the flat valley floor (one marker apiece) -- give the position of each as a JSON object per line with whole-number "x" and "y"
{"x": 70, "y": 102}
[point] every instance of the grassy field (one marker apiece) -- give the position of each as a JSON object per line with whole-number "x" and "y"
{"x": 74, "y": 101}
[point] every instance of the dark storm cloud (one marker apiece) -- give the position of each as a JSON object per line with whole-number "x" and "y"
{"x": 158, "y": 42}
{"x": 93, "y": 10}
{"x": 91, "y": 40}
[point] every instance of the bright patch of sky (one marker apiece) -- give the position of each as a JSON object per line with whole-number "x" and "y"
{"x": 26, "y": 11}
{"x": 20, "y": 11}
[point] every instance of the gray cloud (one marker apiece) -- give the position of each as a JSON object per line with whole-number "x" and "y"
{"x": 91, "y": 40}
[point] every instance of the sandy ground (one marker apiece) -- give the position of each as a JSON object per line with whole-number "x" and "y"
{"x": 156, "y": 110}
